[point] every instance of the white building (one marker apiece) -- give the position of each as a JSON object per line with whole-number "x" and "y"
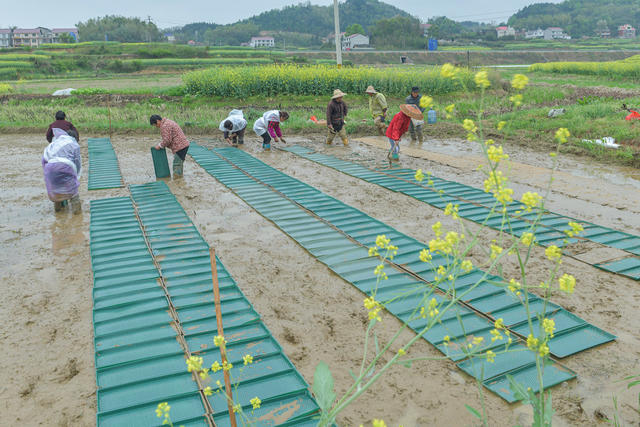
{"x": 505, "y": 31}
{"x": 5, "y": 38}
{"x": 535, "y": 34}
{"x": 626, "y": 32}
{"x": 554, "y": 33}
{"x": 354, "y": 40}
{"x": 262, "y": 42}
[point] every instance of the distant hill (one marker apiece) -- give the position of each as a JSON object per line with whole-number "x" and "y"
{"x": 579, "y": 17}
{"x": 318, "y": 20}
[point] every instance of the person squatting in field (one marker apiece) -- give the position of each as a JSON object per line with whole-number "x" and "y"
{"x": 377, "y": 109}
{"x": 234, "y": 127}
{"x": 173, "y": 138}
{"x": 336, "y": 112}
{"x": 268, "y": 127}
{"x": 62, "y": 168}
{"x": 399, "y": 126}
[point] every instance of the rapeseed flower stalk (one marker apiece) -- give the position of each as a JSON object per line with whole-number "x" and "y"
{"x": 519, "y": 81}
{"x": 482, "y": 79}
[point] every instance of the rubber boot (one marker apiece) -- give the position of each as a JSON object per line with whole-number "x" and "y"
{"x": 395, "y": 157}
{"x": 58, "y": 206}
{"x": 76, "y": 205}
{"x": 329, "y": 142}
{"x": 345, "y": 142}
{"x": 178, "y": 167}
{"x": 267, "y": 147}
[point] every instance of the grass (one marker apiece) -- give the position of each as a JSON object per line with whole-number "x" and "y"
{"x": 587, "y": 118}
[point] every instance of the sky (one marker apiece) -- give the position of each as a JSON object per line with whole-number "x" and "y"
{"x": 165, "y": 13}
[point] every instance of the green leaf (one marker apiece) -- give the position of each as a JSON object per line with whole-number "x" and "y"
{"x": 473, "y": 411}
{"x": 323, "y": 386}
{"x": 519, "y": 392}
{"x": 548, "y": 410}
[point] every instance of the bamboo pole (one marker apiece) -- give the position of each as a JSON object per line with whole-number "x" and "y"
{"x": 223, "y": 348}
{"x": 109, "y": 108}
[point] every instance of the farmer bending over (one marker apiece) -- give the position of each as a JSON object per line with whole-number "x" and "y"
{"x": 173, "y": 138}
{"x": 399, "y": 126}
{"x": 234, "y": 127}
{"x": 336, "y": 112}
{"x": 63, "y": 124}
{"x": 268, "y": 127}
{"x": 378, "y": 109}
{"x": 62, "y": 167}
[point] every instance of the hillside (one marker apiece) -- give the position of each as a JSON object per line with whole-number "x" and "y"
{"x": 579, "y": 17}
{"x": 318, "y": 20}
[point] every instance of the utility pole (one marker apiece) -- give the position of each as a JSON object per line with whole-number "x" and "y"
{"x": 336, "y": 19}
{"x": 148, "y": 28}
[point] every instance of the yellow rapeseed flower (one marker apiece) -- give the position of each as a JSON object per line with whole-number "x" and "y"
{"x": 495, "y": 251}
{"x": 516, "y": 100}
{"x": 219, "y": 341}
{"x": 501, "y": 124}
{"x": 425, "y": 256}
{"x": 162, "y": 409}
{"x": 215, "y": 366}
{"x": 226, "y": 366}
{"x": 567, "y": 282}
{"x": 549, "y": 326}
{"x": 373, "y": 251}
{"x": 426, "y": 102}
{"x": 255, "y": 402}
{"x": 519, "y": 81}
{"x": 248, "y": 359}
{"x": 437, "y": 228}
{"x": 530, "y": 200}
{"x": 419, "y": 176}
{"x": 491, "y": 356}
{"x": 448, "y": 71}
{"x": 379, "y": 423}
{"x": 466, "y": 265}
{"x": 575, "y": 229}
{"x": 469, "y": 125}
{"x": 382, "y": 241}
{"x": 401, "y": 352}
{"x": 482, "y": 79}
{"x": 527, "y": 238}
{"x": 499, "y": 323}
{"x": 496, "y": 154}
{"x": 208, "y": 391}
{"x": 553, "y": 253}
{"x": 495, "y": 335}
{"x": 562, "y": 135}
{"x": 532, "y": 343}
{"x": 194, "y": 363}
{"x": 449, "y": 108}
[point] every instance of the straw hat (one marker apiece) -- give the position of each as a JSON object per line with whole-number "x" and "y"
{"x": 412, "y": 111}
{"x": 338, "y": 94}
{"x": 370, "y": 89}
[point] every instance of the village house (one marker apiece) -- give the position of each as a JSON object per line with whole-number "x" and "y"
{"x": 57, "y": 32}
{"x": 262, "y": 42}
{"x": 425, "y": 29}
{"x": 626, "y": 32}
{"x": 555, "y": 33}
{"x": 534, "y": 34}
{"x": 5, "y": 38}
{"x": 354, "y": 41}
{"x": 505, "y": 31}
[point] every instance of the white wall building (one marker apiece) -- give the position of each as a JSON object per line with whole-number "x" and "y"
{"x": 554, "y": 33}
{"x": 535, "y": 34}
{"x": 5, "y": 38}
{"x": 57, "y": 32}
{"x": 354, "y": 40}
{"x": 262, "y": 42}
{"x": 505, "y": 31}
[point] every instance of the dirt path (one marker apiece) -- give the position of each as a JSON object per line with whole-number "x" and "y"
{"x": 48, "y": 343}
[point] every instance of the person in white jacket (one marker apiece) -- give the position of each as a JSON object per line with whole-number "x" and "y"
{"x": 234, "y": 127}
{"x": 62, "y": 167}
{"x": 268, "y": 127}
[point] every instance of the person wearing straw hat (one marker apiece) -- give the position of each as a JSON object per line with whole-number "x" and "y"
{"x": 336, "y": 112}
{"x": 378, "y": 109}
{"x": 399, "y": 126}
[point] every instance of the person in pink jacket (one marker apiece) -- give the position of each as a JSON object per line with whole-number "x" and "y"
{"x": 173, "y": 138}
{"x": 268, "y": 127}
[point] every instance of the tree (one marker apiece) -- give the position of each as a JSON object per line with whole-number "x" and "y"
{"x": 354, "y": 29}
{"x": 119, "y": 28}
{"x": 398, "y": 33}
{"x": 66, "y": 38}
{"x": 444, "y": 28}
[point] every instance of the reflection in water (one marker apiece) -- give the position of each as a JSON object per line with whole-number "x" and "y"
{"x": 66, "y": 232}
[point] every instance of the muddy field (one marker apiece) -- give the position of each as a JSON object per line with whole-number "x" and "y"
{"x": 48, "y": 375}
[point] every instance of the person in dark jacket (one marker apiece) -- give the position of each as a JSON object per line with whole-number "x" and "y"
{"x": 336, "y": 112}
{"x": 415, "y": 128}
{"x": 399, "y": 125}
{"x": 63, "y": 124}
